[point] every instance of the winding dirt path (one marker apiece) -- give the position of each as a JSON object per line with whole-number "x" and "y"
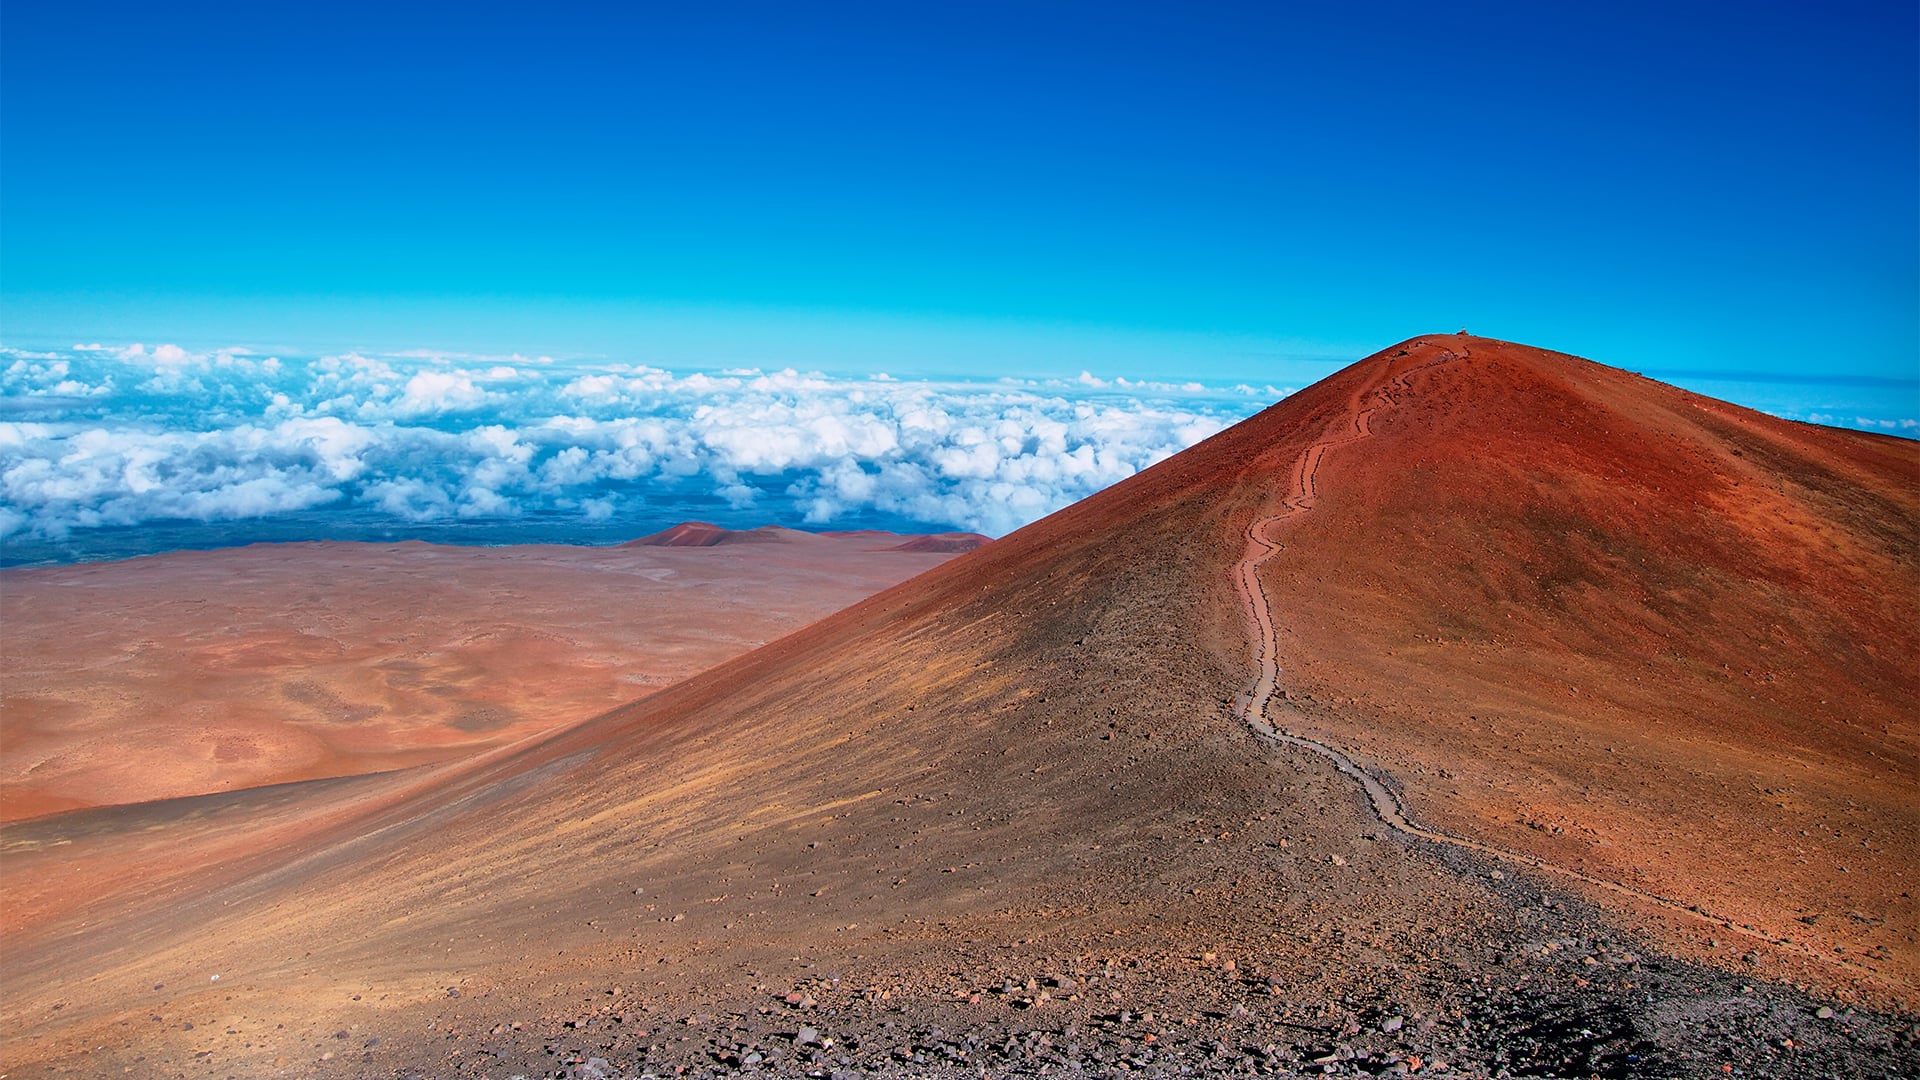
{"x": 1300, "y": 497}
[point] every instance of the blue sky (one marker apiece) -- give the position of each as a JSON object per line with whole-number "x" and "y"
{"x": 1717, "y": 187}
{"x": 1239, "y": 194}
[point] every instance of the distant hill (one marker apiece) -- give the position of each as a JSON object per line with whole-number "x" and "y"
{"x": 703, "y": 534}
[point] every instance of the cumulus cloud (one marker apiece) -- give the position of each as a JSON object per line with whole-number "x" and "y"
{"x": 119, "y": 435}
{"x": 103, "y": 435}
{"x": 430, "y": 392}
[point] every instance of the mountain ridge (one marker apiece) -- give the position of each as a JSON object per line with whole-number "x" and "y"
{"x": 1035, "y": 754}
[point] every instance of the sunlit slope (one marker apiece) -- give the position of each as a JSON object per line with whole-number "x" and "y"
{"x": 1513, "y": 597}
{"x": 1031, "y": 723}
{"x": 1628, "y": 628}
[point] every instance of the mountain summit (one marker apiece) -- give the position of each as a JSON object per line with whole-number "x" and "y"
{"x": 1471, "y": 698}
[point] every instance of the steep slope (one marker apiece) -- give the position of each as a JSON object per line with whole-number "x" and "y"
{"x": 1027, "y": 775}
{"x": 1630, "y": 630}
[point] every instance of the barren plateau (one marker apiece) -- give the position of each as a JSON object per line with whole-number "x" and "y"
{"x": 202, "y": 671}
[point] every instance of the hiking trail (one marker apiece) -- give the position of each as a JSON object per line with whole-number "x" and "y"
{"x": 1299, "y": 498}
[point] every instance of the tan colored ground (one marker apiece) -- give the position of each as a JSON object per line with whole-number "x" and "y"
{"x": 203, "y": 671}
{"x": 1029, "y": 764}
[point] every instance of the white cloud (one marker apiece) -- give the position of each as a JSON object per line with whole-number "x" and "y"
{"x": 410, "y": 499}
{"x": 27, "y": 354}
{"x": 231, "y": 434}
{"x": 478, "y": 502}
{"x": 430, "y": 392}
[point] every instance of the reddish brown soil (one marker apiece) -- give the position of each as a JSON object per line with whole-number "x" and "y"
{"x": 704, "y": 534}
{"x": 1641, "y": 633}
{"x": 1513, "y": 597}
{"x": 953, "y": 543}
{"x": 205, "y": 671}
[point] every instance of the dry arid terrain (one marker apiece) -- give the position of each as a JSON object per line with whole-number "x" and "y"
{"x": 202, "y": 671}
{"x": 1478, "y": 711}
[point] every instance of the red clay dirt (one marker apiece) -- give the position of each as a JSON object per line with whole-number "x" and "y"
{"x": 706, "y": 534}
{"x": 950, "y": 543}
{"x": 1555, "y": 609}
{"x": 202, "y": 671}
{"x": 1642, "y": 634}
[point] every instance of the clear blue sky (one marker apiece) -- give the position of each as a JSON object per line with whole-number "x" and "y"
{"x": 1184, "y": 189}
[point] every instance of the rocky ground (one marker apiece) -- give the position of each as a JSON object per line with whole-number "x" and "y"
{"x": 1527, "y": 981}
{"x": 1211, "y": 1019}
{"x": 1565, "y": 999}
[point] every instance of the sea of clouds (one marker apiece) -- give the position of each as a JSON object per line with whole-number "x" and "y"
{"x": 157, "y": 447}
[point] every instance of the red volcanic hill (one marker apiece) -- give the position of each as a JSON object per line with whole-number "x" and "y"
{"x": 703, "y": 534}
{"x": 1626, "y": 628}
{"x": 955, "y": 543}
{"x": 1637, "y": 665}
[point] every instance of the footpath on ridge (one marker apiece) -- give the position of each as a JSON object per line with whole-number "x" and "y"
{"x": 1299, "y": 498}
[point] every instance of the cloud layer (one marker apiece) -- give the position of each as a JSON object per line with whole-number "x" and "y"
{"x": 100, "y": 436}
